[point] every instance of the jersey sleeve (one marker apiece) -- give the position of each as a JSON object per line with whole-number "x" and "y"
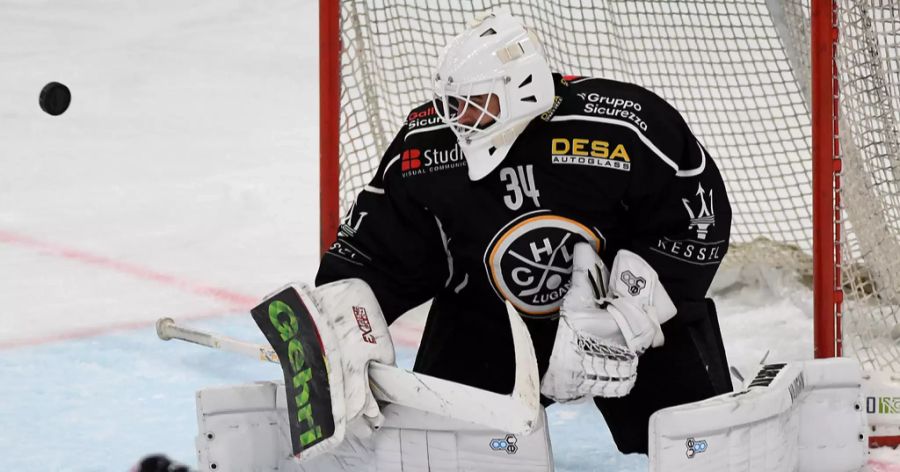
{"x": 390, "y": 241}
{"x": 680, "y": 218}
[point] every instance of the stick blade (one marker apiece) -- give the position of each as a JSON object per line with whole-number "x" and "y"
{"x": 526, "y": 394}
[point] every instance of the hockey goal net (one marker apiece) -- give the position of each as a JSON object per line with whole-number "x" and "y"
{"x": 740, "y": 72}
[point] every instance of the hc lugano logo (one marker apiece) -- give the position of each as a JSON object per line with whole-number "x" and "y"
{"x": 705, "y": 215}
{"x": 529, "y": 261}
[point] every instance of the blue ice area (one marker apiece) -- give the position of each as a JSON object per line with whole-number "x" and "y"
{"x": 101, "y": 403}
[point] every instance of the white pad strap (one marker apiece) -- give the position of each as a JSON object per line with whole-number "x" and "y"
{"x": 803, "y": 416}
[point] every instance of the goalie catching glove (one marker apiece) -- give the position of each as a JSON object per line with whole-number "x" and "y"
{"x": 607, "y": 320}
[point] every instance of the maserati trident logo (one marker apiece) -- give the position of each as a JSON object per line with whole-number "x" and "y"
{"x": 705, "y": 214}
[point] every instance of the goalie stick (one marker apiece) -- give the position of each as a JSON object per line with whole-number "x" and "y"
{"x": 515, "y": 413}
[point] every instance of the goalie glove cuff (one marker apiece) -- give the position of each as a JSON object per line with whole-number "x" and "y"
{"x": 638, "y": 301}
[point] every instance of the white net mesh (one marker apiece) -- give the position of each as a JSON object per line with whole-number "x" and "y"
{"x": 739, "y": 73}
{"x": 869, "y": 72}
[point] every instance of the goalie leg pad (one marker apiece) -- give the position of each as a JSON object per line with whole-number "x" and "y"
{"x": 416, "y": 440}
{"x": 245, "y": 428}
{"x": 803, "y": 416}
{"x": 413, "y": 440}
{"x": 882, "y": 389}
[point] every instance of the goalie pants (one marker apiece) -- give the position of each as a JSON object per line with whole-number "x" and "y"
{"x": 690, "y": 366}
{"x": 476, "y": 350}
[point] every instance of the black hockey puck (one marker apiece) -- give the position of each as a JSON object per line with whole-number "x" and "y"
{"x": 55, "y": 98}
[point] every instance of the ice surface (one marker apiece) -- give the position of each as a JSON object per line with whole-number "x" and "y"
{"x": 182, "y": 182}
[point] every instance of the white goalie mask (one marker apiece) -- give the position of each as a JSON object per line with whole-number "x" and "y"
{"x": 495, "y": 56}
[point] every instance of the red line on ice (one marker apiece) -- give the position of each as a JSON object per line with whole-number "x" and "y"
{"x": 875, "y": 465}
{"x": 407, "y": 335}
{"x": 233, "y": 300}
{"x": 238, "y": 300}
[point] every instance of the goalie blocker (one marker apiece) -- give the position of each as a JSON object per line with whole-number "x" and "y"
{"x": 333, "y": 340}
{"x": 316, "y": 418}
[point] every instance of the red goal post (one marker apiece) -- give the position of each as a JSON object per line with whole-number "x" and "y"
{"x": 329, "y": 121}
{"x": 826, "y": 180}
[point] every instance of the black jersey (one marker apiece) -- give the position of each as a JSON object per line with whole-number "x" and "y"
{"x": 611, "y": 164}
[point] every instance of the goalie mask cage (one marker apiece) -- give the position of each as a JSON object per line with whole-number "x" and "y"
{"x": 797, "y": 101}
